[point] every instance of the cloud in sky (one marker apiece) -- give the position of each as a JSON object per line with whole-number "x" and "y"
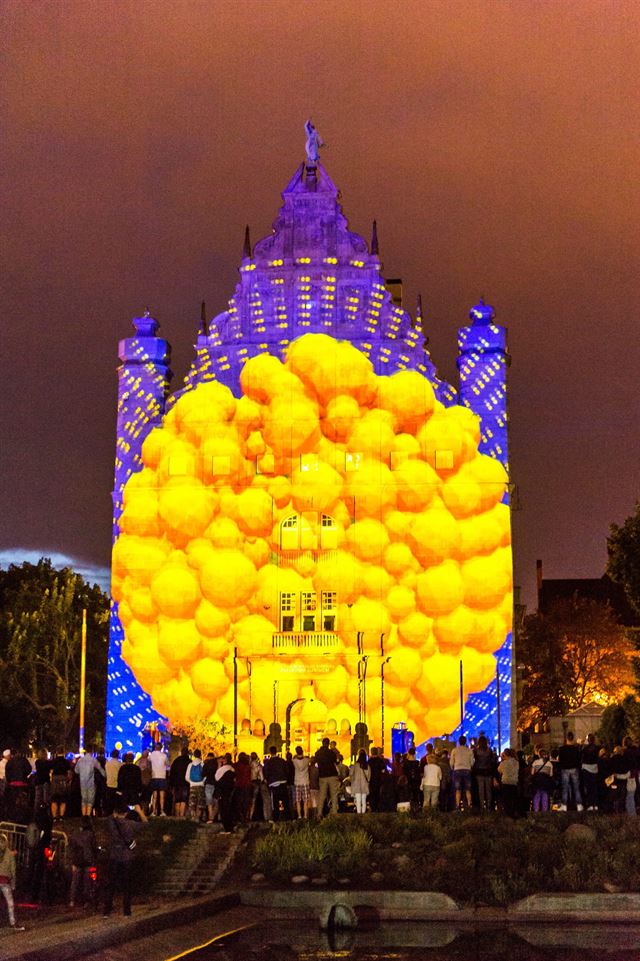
{"x": 92, "y": 573}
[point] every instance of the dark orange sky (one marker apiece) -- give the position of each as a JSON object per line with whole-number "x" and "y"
{"x": 496, "y": 143}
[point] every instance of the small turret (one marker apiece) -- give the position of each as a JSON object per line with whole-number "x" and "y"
{"x": 482, "y": 362}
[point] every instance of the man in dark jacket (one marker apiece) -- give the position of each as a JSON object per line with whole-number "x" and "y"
{"x": 178, "y": 782}
{"x": 329, "y": 780}
{"x": 122, "y": 851}
{"x": 276, "y": 775}
{"x": 225, "y": 785}
{"x": 569, "y": 762}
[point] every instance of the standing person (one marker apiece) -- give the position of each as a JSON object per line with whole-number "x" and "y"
{"x": 329, "y": 781}
{"x": 61, "y": 776}
{"x": 431, "y": 780}
{"x": 377, "y": 764}
{"x": 509, "y": 771}
{"x": 112, "y": 768}
{"x": 130, "y": 784}
{"x": 243, "y": 791}
{"x": 84, "y": 857}
{"x": 194, "y": 776}
{"x": 360, "y": 777}
{"x": 301, "y": 782}
{"x": 158, "y": 760}
{"x": 44, "y": 827}
{"x": 86, "y": 769}
{"x": 542, "y": 781}
{"x": 461, "y": 761}
{"x": 569, "y": 761}
{"x": 632, "y": 757}
{"x": 145, "y": 772}
{"x": 590, "y": 754}
{"x": 209, "y": 769}
{"x": 259, "y": 789}
{"x": 178, "y": 782}
{"x": 6, "y": 754}
{"x": 484, "y": 771}
{"x": 42, "y": 779}
{"x": 17, "y": 773}
{"x": 122, "y": 850}
{"x": 412, "y": 772}
{"x": 8, "y": 880}
{"x": 314, "y": 787}
{"x": 619, "y": 767}
{"x": 447, "y": 795}
{"x": 225, "y": 780}
{"x": 275, "y": 772}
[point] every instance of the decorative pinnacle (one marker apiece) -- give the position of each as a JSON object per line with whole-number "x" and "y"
{"x": 421, "y": 321}
{"x": 203, "y": 318}
{"x": 246, "y": 253}
{"x": 313, "y": 144}
{"x": 374, "y": 239}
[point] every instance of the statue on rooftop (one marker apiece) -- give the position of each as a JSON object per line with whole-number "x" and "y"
{"x": 314, "y": 142}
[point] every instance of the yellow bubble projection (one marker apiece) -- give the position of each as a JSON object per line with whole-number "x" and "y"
{"x": 327, "y": 514}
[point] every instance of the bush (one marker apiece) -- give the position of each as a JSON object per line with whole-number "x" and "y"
{"x": 485, "y": 859}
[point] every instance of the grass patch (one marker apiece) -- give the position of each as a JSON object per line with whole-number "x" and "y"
{"x": 475, "y": 859}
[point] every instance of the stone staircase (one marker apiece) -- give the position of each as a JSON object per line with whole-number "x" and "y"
{"x": 201, "y": 864}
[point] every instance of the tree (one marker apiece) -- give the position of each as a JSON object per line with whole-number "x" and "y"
{"x": 40, "y": 650}
{"x": 620, "y": 720}
{"x": 575, "y": 653}
{"x": 210, "y": 736}
{"x": 623, "y": 547}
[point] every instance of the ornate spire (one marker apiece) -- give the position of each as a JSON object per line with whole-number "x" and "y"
{"x": 246, "y": 252}
{"x": 421, "y": 322}
{"x": 203, "y": 319}
{"x": 374, "y": 239}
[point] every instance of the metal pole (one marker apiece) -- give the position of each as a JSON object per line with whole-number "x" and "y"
{"x": 235, "y": 701}
{"x": 461, "y": 696}
{"x": 83, "y": 678}
{"x": 498, "y": 707}
{"x": 382, "y": 699}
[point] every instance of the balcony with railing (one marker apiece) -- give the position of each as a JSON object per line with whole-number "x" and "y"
{"x": 304, "y": 641}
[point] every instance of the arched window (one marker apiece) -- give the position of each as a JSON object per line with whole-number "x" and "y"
{"x": 308, "y": 531}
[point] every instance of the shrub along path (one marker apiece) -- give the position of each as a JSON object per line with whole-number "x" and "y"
{"x": 476, "y": 859}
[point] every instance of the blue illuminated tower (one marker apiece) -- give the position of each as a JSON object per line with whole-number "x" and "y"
{"x": 483, "y": 361}
{"x": 143, "y": 386}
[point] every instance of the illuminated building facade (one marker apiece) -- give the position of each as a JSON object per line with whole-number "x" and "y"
{"x": 314, "y": 531}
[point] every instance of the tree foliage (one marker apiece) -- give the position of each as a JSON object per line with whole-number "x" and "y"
{"x": 620, "y": 720}
{"x": 623, "y": 547}
{"x": 40, "y": 651}
{"x": 575, "y": 653}
{"x": 210, "y": 736}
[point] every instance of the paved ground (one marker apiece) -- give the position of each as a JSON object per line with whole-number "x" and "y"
{"x": 62, "y": 934}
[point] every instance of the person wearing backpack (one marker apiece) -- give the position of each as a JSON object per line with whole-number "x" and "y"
{"x": 195, "y": 779}
{"x": 542, "y": 780}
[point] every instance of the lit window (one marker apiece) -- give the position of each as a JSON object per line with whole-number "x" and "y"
{"x": 308, "y": 462}
{"x": 352, "y": 461}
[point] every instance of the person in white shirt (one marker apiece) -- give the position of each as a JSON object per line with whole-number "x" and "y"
{"x": 301, "y": 782}
{"x": 461, "y": 761}
{"x": 431, "y": 780}
{"x": 86, "y": 767}
{"x": 159, "y": 765}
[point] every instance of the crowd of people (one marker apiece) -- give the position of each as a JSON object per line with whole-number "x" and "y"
{"x": 44, "y": 790}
